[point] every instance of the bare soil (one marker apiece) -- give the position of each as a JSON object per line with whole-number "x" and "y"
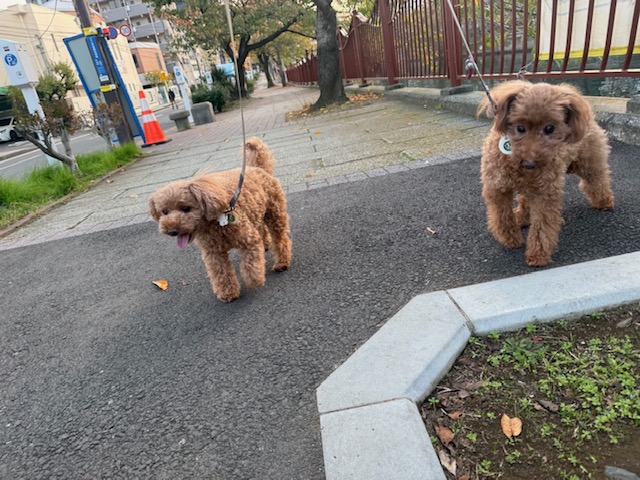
{"x": 463, "y": 414}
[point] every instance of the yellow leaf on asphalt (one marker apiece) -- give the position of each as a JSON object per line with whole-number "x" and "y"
{"x": 161, "y": 284}
{"x": 317, "y": 133}
{"x": 511, "y": 427}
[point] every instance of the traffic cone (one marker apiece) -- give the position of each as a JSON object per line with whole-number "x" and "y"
{"x": 153, "y": 134}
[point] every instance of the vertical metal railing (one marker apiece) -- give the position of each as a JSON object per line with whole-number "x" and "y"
{"x": 418, "y": 39}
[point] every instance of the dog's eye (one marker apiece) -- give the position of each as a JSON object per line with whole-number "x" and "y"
{"x": 186, "y": 209}
{"x": 165, "y": 212}
{"x": 521, "y": 129}
{"x": 548, "y": 130}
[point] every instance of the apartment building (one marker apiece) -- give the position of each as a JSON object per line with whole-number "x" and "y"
{"x": 41, "y": 31}
{"x": 147, "y": 28}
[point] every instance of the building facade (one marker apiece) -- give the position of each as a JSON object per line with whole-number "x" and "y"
{"x": 42, "y": 31}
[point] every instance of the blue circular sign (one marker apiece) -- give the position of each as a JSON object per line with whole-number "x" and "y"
{"x": 10, "y": 59}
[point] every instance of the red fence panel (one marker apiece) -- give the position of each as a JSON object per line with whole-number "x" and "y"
{"x": 420, "y": 39}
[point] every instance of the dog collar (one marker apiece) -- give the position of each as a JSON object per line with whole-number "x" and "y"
{"x": 505, "y": 145}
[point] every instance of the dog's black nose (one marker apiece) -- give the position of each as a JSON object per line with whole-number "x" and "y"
{"x": 173, "y": 232}
{"x": 529, "y": 165}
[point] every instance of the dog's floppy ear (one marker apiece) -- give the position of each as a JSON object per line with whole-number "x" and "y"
{"x": 153, "y": 209}
{"x": 578, "y": 112}
{"x": 210, "y": 196}
{"x": 503, "y": 95}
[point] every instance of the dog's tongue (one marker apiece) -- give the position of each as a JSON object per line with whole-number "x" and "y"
{"x": 182, "y": 240}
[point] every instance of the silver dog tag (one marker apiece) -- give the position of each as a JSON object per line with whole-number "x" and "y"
{"x": 223, "y": 219}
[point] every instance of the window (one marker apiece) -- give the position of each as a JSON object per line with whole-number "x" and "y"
{"x": 135, "y": 60}
{"x": 159, "y": 62}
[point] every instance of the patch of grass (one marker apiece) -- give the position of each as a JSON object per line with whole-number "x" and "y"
{"x": 18, "y": 198}
{"x": 575, "y": 386}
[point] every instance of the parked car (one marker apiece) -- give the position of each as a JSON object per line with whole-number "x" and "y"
{"x": 8, "y": 132}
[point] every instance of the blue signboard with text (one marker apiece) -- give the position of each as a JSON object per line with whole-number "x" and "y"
{"x": 92, "y": 42}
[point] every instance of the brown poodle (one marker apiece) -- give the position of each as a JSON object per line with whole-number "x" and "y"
{"x": 198, "y": 210}
{"x": 540, "y": 133}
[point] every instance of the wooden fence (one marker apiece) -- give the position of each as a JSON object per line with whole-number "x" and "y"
{"x": 422, "y": 39}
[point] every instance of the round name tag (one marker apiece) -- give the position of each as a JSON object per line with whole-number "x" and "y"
{"x": 505, "y": 145}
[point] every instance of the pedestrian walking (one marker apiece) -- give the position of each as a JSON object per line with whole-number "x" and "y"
{"x": 172, "y": 99}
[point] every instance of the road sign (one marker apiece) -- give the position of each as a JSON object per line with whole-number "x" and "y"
{"x": 17, "y": 63}
{"x": 177, "y": 72}
{"x": 125, "y": 30}
{"x": 113, "y": 32}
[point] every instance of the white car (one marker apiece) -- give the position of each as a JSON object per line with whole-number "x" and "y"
{"x": 8, "y": 132}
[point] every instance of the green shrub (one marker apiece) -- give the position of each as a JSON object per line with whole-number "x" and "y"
{"x": 218, "y": 95}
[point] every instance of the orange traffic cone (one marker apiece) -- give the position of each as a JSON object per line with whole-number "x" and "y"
{"x": 153, "y": 134}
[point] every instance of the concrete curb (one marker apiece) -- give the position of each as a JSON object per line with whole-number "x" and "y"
{"x": 370, "y": 425}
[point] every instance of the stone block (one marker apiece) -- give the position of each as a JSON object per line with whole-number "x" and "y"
{"x": 202, "y": 113}
{"x": 181, "y": 117}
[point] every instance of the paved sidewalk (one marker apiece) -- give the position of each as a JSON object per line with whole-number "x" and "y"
{"x": 370, "y": 140}
{"x": 383, "y": 151}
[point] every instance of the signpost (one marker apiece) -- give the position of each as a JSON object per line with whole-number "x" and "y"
{"x": 182, "y": 82}
{"x": 90, "y": 75}
{"x": 22, "y": 75}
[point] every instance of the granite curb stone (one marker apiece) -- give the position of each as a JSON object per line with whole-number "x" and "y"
{"x": 359, "y": 402}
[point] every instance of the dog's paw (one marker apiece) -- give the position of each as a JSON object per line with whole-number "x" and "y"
{"x": 537, "y": 260}
{"x": 604, "y": 204}
{"x": 228, "y": 298}
{"x": 280, "y": 267}
{"x": 513, "y": 240}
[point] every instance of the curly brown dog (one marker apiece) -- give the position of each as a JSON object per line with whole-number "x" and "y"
{"x": 196, "y": 210}
{"x": 540, "y": 133}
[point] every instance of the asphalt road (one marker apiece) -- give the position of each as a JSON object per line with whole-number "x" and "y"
{"x": 17, "y": 159}
{"x": 105, "y": 376}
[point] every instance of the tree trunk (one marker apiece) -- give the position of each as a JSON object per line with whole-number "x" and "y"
{"x": 282, "y": 71}
{"x": 329, "y": 75}
{"x": 68, "y": 161}
{"x": 264, "y": 65}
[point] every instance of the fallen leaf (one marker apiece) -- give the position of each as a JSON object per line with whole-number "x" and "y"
{"x": 463, "y": 394}
{"x": 466, "y": 476}
{"x": 317, "y": 133}
{"x": 109, "y": 181}
{"x": 161, "y": 284}
{"x": 511, "y": 427}
{"x": 444, "y": 434}
{"x": 552, "y": 407}
{"x": 454, "y": 415}
{"x": 134, "y": 195}
{"x": 431, "y": 231}
{"x": 472, "y": 386}
{"x": 537, "y": 406}
{"x": 447, "y": 462}
{"x": 537, "y": 338}
{"x": 624, "y": 323}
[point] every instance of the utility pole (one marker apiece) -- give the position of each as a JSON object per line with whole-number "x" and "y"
{"x": 110, "y": 96}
